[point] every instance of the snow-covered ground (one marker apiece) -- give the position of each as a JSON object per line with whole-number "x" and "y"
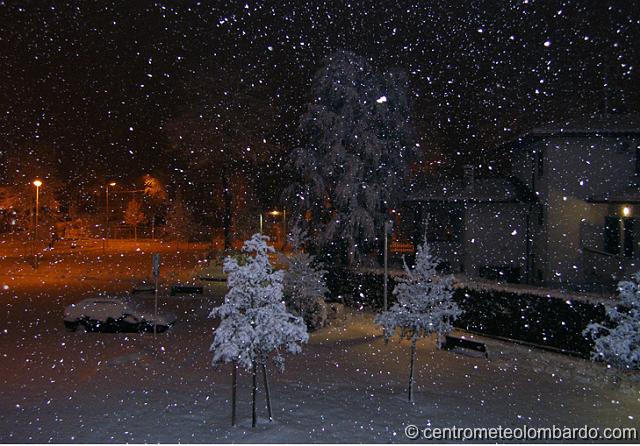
{"x": 346, "y": 386}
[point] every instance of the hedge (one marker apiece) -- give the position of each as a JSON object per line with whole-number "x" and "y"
{"x": 549, "y": 322}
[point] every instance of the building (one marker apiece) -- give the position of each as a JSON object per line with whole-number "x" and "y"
{"x": 564, "y": 217}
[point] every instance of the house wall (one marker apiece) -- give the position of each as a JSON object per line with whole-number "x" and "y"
{"x": 577, "y": 168}
{"x": 495, "y": 236}
{"x": 563, "y": 172}
{"x": 523, "y": 162}
{"x": 442, "y": 224}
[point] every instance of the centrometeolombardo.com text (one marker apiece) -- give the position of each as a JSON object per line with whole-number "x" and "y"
{"x": 413, "y": 432}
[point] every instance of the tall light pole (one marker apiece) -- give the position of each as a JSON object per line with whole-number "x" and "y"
{"x": 277, "y": 213}
{"x": 106, "y": 226}
{"x": 284, "y": 225}
{"x": 388, "y": 227}
{"x": 37, "y": 184}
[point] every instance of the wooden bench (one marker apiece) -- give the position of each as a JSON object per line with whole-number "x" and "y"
{"x": 213, "y": 279}
{"x": 186, "y": 289}
{"x": 451, "y": 342}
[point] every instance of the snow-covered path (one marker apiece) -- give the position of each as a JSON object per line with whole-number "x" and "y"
{"x": 346, "y": 386}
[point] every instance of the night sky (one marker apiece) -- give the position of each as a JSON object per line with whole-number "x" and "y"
{"x": 97, "y": 82}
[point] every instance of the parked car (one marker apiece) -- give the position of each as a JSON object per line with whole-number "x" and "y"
{"x": 112, "y": 315}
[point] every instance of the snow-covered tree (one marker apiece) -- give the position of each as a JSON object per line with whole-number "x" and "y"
{"x": 424, "y": 305}
{"x": 619, "y": 344}
{"x": 304, "y": 284}
{"x": 359, "y": 147}
{"x": 254, "y": 321}
{"x": 134, "y": 215}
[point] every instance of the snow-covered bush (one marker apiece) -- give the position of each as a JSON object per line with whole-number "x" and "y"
{"x": 424, "y": 305}
{"x": 254, "y": 319}
{"x": 304, "y": 284}
{"x": 619, "y": 344}
{"x": 315, "y": 314}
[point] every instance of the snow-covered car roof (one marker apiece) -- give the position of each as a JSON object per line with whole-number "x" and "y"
{"x": 112, "y": 307}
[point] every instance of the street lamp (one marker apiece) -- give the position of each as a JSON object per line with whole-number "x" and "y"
{"x": 37, "y": 184}
{"x": 106, "y": 227}
{"x": 276, "y": 213}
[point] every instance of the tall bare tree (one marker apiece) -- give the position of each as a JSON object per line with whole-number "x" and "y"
{"x": 223, "y": 132}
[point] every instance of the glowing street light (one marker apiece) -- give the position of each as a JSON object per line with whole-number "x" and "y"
{"x": 277, "y": 213}
{"x": 37, "y": 183}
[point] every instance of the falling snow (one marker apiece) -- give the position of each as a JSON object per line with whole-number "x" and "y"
{"x": 143, "y": 143}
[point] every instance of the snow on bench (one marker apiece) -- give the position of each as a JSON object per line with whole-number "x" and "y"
{"x": 451, "y": 342}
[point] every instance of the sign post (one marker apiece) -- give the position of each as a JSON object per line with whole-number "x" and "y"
{"x": 155, "y": 271}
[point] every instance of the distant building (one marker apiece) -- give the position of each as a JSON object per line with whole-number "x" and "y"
{"x": 566, "y": 216}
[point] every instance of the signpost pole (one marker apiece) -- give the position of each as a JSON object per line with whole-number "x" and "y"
{"x": 155, "y": 311}
{"x": 155, "y": 270}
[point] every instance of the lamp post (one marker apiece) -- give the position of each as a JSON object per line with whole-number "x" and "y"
{"x": 37, "y": 184}
{"x": 106, "y": 227}
{"x": 284, "y": 225}
{"x": 388, "y": 227}
{"x": 276, "y": 213}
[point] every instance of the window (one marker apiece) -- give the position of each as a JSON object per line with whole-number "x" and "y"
{"x": 612, "y": 235}
{"x": 541, "y": 215}
{"x": 540, "y": 157}
{"x": 629, "y": 240}
{"x": 619, "y": 233}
